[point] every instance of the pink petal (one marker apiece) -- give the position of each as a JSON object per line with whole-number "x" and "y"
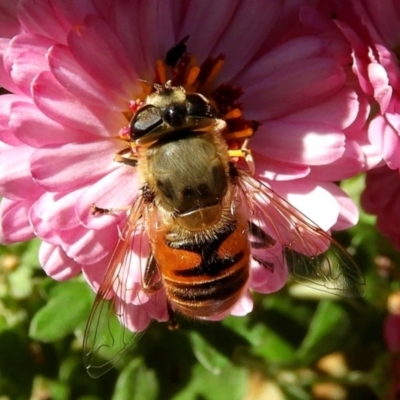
{"x": 384, "y": 18}
{"x": 378, "y": 181}
{"x": 77, "y": 164}
{"x": 25, "y": 58}
{"x": 6, "y": 132}
{"x": 348, "y": 165}
{"x": 217, "y": 21}
{"x": 88, "y": 247}
{"x": 238, "y": 40}
{"x": 297, "y": 86}
{"x": 307, "y": 196}
{"x": 357, "y": 129}
{"x": 156, "y": 308}
{"x": 393, "y": 116}
{"x": 57, "y": 210}
{"x": 294, "y": 51}
{"x": 56, "y": 263}
{"x": 339, "y": 111}
{"x": 372, "y": 156}
{"x": 9, "y": 25}
{"x": 14, "y": 221}
{"x": 33, "y": 128}
{"x": 244, "y": 305}
{"x": 385, "y": 138}
{"x": 359, "y": 54}
{"x": 15, "y": 177}
{"x": 319, "y": 22}
{"x": 389, "y": 61}
{"x": 94, "y": 273}
{"x": 59, "y": 105}
{"x": 5, "y": 79}
{"x": 95, "y": 42}
{"x": 79, "y": 83}
{"x": 388, "y": 221}
{"x": 266, "y": 280}
{"x": 135, "y": 318}
{"x": 118, "y": 189}
{"x": 380, "y": 82}
{"x": 391, "y": 331}
{"x": 272, "y": 169}
{"x": 302, "y": 143}
{"x": 39, "y": 17}
{"x": 375, "y": 131}
{"x": 137, "y": 24}
{"x": 348, "y": 211}
{"x": 43, "y": 230}
{"x": 129, "y": 284}
{"x": 73, "y": 12}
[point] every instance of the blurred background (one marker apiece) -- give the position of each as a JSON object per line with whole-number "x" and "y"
{"x": 297, "y": 344}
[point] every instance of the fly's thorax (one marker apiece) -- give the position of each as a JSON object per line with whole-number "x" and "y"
{"x": 189, "y": 177}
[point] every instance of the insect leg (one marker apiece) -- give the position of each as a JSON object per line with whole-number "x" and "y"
{"x": 151, "y": 280}
{"x": 264, "y": 242}
{"x": 172, "y": 322}
{"x": 244, "y": 152}
{"x": 102, "y": 211}
{"x": 125, "y": 157}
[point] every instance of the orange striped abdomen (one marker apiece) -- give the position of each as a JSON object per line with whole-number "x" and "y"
{"x": 207, "y": 278}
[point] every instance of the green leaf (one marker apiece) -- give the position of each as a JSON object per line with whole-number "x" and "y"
{"x": 328, "y": 329}
{"x": 273, "y": 346}
{"x": 295, "y": 392}
{"x": 68, "y": 308}
{"x": 230, "y": 384}
{"x": 208, "y": 356}
{"x": 274, "y": 329}
{"x": 29, "y": 257}
{"x": 20, "y": 281}
{"x": 136, "y": 382}
{"x": 89, "y": 398}
{"x": 48, "y": 388}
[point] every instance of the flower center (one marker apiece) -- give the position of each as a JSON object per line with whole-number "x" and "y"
{"x": 182, "y": 69}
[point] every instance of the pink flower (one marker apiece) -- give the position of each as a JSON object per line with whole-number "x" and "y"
{"x": 372, "y": 28}
{"x": 391, "y": 335}
{"x": 382, "y": 198}
{"x": 74, "y": 69}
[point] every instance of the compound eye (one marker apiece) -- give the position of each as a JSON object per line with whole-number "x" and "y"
{"x": 198, "y": 106}
{"x": 145, "y": 121}
{"x": 175, "y": 116}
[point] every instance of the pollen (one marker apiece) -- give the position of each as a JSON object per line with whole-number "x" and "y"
{"x": 192, "y": 75}
{"x": 124, "y": 133}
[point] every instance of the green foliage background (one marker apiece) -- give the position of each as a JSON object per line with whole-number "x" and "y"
{"x": 280, "y": 351}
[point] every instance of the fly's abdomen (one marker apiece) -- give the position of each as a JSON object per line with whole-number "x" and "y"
{"x": 205, "y": 279}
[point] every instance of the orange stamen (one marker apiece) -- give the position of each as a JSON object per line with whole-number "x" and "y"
{"x": 215, "y": 71}
{"x": 162, "y": 74}
{"x": 193, "y": 74}
{"x": 146, "y": 90}
{"x": 235, "y": 113}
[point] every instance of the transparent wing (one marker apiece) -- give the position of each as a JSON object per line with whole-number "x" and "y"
{"x": 311, "y": 255}
{"x": 107, "y": 337}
